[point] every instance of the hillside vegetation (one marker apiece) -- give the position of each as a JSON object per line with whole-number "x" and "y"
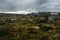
{"x": 29, "y": 27}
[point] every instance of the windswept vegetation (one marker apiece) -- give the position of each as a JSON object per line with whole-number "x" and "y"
{"x": 33, "y": 26}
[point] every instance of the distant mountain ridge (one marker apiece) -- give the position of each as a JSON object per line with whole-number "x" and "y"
{"x": 33, "y": 14}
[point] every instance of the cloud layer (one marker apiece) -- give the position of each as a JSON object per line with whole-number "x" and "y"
{"x": 30, "y": 5}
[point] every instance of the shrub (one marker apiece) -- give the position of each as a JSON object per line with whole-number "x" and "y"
{"x": 45, "y": 28}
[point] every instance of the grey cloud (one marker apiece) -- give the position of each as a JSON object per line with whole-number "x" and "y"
{"x": 23, "y": 5}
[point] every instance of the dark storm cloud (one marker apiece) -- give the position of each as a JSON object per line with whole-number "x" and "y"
{"x": 29, "y": 5}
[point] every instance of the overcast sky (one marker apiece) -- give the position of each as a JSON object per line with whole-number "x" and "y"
{"x": 29, "y": 5}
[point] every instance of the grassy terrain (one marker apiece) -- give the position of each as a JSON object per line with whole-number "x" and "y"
{"x": 13, "y": 27}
